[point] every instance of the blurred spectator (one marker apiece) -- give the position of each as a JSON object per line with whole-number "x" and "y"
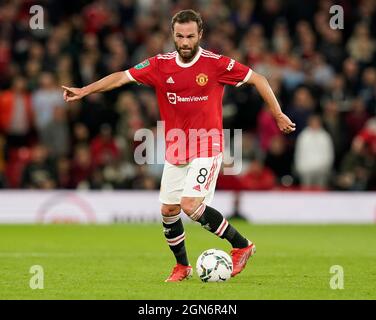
{"x": 280, "y": 159}
{"x": 94, "y": 113}
{"x": 243, "y": 16}
{"x": 17, "y": 159}
{"x": 32, "y": 71}
{"x": 88, "y": 65}
{"x": 82, "y": 165}
{"x": 357, "y": 117}
{"x": 143, "y": 180}
{"x": 351, "y": 73}
{"x": 267, "y": 128}
{"x": 2, "y": 153}
{"x": 258, "y": 177}
{"x": 292, "y": 73}
{"x": 80, "y": 135}
{"x": 45, "y": 100}
{"x": 303, "y": 106}
{"x": 65, "y": 70}
{"x": 64, "y": 178}
{"x": 269, "y": 14}
{"x": 16, "y": 114}
{"x": 96, "y": 181}
{"x": 307, "y": 44}
{"x": 5, "y": 59}
{"x": 368, "y": 89}
{"x": 254, "y": 44}
{"x": 130, "y": 120}
{"x": 149, "y": 107}
{"x": 96, "y": 16}
{"x": 282, "y": 45}
{"x": 244, "y": 107}
{"x": 250, "y": 149}
{"x": 115, "y": 174}
{"x": 357, "y": 168}
{"x": 331, "y": 45}
{"x": 368, "y": 135}
{"x": 314, "y": 155}
{"x": 2, "y": 162}
{"x": 56, "y": 134}
{"x": 337, "y": 92}
{"x": 2, "y": 181}
{"x": 117, "y": 57}
{"x": 153, "y": 46}
{"x": 335, "y": 125}
{"x": 322, "y": 72}
{"x": 361, "y": 46}
{"x": 103, "y": 147}
{"x": 40, "y": 173}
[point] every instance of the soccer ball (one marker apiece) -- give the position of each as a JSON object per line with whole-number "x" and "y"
{"x": 214, "y": 265}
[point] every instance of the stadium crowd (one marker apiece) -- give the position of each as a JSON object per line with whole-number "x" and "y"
{"x": 325, "y": 80}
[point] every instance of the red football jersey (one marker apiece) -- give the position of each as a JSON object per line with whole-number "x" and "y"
{"x": 190, "y": 99}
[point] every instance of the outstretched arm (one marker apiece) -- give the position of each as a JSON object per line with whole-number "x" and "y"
{"x": 266, "y": 92}
{"x": 112, "y": 81}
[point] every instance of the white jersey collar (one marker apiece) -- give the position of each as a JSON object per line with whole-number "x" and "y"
{"x": 189, "y": 64}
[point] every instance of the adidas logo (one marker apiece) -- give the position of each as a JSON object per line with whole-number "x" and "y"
{"x": 170, "y": 80}
{"x": 198, "y": 188}
{"x": 207, "y": 227}
{"x": 166, "y": 231}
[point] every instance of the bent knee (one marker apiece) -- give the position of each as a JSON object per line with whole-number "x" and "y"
{"x": 169, "y": 210}
{"x": 190, "y": 205}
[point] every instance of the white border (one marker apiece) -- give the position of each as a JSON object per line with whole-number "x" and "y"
{"x": 245, "y": 79}
{"x": 129, "y": 76}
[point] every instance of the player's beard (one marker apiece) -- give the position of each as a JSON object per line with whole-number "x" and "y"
{"x": 187, "y": 56}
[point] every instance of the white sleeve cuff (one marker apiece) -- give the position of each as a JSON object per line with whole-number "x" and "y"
{"x": 246, "y": 78}
{"x": 129, "y": 76}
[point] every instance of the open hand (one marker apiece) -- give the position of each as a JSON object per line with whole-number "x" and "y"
{"x": 285, "y": 124}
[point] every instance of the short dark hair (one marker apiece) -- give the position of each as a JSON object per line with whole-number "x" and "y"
{"x": 185, "y": 16}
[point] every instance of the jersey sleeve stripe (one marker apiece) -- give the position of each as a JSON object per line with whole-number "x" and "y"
{"x": 166, "y": 57}
{"x": 209, "y": 53}
{"x": 245, "y": 79}
{"x": 210, "y": 56}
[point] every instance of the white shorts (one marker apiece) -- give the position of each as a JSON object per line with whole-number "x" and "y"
{"x": 196, "y": 179}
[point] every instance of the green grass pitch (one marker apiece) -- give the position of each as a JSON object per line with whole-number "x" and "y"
{"x": 131, "y": 261}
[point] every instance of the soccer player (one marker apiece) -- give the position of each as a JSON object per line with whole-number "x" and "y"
{"x": 189, "y": 85}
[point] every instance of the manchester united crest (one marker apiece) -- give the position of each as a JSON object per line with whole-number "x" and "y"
{"x": 202, "y": 79}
